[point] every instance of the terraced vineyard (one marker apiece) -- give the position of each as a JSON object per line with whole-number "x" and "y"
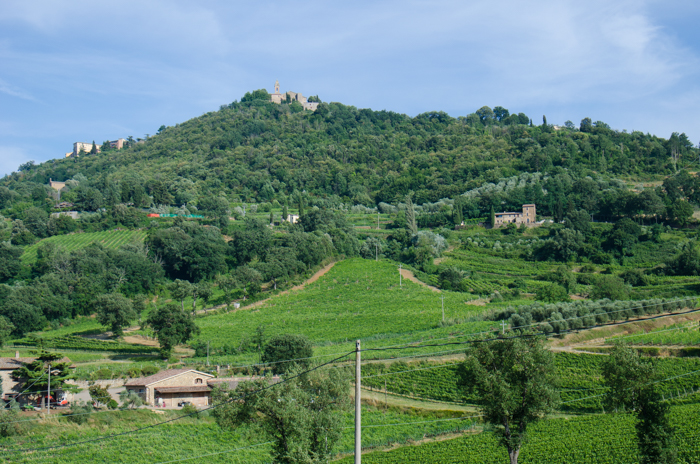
{"x": 70, "y": 342}
{"x": 71, "y": 242}
{"x": 594, "y": 439}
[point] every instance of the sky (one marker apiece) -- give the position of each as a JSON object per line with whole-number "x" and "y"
{"x": 80, "y": 70}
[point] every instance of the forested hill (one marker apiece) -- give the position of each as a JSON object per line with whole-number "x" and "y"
{"x": 254, "y": 151}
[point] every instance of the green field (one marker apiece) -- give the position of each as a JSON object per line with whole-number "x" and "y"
{"x": 71, "y": 242}
{"x": 174, "y": 440}
{"x": 593, "y": 439}
{"x": 356, "y": 299}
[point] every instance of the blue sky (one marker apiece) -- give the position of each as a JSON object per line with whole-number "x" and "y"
{"x": 84, "y": 70}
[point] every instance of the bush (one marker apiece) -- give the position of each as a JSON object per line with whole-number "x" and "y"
{"x": 149, "y": 370}
{"x": 112, "y": 404}
{"x": 80, "y": 413}
{"x": 190, "y": 409}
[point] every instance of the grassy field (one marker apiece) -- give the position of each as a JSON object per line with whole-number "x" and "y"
{"x": 71, "y": 242}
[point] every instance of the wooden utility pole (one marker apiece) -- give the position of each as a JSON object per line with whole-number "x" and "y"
{"x": 358, "y": 406}
{"x": 400, "y": 276}
{"x": 443, "y": 307}
{"x": 48, "y": 393}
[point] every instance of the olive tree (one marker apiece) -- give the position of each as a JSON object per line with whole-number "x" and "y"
{"x": 514, "y": 380}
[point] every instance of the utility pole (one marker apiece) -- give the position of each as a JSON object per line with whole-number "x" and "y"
{"x": 443, "y": 307}
{"x": 48, "y": 393}
{"x": 386, "y": 399}
{"x": 400, "y": 276}
{"x": 377, "y": 220}
{"x": 207, "y": 353}
{"x": 358, "y": 406}
{"x": 376, "y": 252}
{"x": 503, "y": 327}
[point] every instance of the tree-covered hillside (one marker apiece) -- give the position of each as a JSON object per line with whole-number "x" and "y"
{"x": 256, "y": 151}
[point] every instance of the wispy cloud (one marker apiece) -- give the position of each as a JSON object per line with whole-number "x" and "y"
{"x": 12, "y": 91}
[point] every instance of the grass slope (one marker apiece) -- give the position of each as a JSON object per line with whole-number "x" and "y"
{"x": 357, "y": 299}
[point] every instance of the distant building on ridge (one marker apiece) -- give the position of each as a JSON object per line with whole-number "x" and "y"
{"x": 527, "y": 217}
{"x": 278, "y": 98}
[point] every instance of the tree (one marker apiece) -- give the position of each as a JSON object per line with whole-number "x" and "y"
{"x": 93, "y": 150}
{"x": 227, "y": 283}
{"x": 681, "y": 211}
{"x": 6, "y": 328}
{"x": 114, "y": 310}
{"x": 201, "y": 290}
{"x": 10, "y": 264}
{"x": 586, "y": 125}
{"x": 99, "y": 394}
{"x": 179, "y": 290}
{"x": 552, "y": 293}
{"x": 485, "y": 114}
{"x": 411, "y": 215}
{"x": 515, "y": 382}
{"x": 172, "y": 326}
{"x": 35, "y": 374}
{"x": 631, "y": 386}
{"x": 610, "y": 287}
{"x": 130, "y": 399}
{"x": 285, "y": 347}
{"x": 687, "y": 262}
{"x": 492, "y": 217}
{"x": 301, "y": 416}
{"x": 500, "y": 113}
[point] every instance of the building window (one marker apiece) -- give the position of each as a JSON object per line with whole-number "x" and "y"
{"x": 197, "y": 380}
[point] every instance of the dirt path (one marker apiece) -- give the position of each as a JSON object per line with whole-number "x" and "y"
{"x": 409, "y": 275}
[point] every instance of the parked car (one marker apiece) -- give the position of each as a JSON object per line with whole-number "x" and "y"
{"x": 184, "y": 403}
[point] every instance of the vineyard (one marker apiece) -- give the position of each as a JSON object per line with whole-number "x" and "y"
{"x": 594, "y": 439}
{"x": 356, "y": 299}
{"x": 674, "y": 335}
{"x": 71, "y": 342}
{"x": 71, "y": 242}
{"x": 580, "y": 384}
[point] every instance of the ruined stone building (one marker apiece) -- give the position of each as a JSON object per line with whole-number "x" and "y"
{"x": 278, "y": 98}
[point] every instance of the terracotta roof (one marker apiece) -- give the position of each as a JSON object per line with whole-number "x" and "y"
{"x": 162, "y": 375}
{"x": 14, "y": 363}
{"x": 183, "y": 389}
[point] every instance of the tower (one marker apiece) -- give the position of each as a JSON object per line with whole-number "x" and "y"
{"x": 277, "y": 86}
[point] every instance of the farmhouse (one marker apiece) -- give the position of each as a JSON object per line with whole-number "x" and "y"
{"x": 527, "y": 216}
{"x": 171, "y": 387}
{"x": 11, "y": 387}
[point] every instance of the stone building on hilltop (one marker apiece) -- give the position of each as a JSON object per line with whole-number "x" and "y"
{"x": 278, "y": 98}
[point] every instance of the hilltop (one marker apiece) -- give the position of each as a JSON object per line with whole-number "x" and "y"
{"x": 257, "y": 151}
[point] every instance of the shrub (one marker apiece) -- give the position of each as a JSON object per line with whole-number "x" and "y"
{"x": 80, "y": 413}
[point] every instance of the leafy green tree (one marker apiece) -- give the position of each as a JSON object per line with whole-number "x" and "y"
{"x": 88, "y": 198}
{"x": 610, "y": 287}
{"x": 515, "y": 382}
{"x": 284, "y": 347}
{"x": 6, "y": 328}
{"x": 172, "y": 326}
{"x": 10, "y": 264}
{"x": 227, "y": 283}
{"x": 632, "y": 387}
{"x": 301, "y": 416}
{"x": 680, "y": 211}
{"x": 492, "y": 217}
{"x": 500, "y": 113}
{"x": 486, "y": 115}
{"x": 35, "y": 374}
{"x": 216, "y": 207}
{"x": 114, "y": 310}
{"x": 552, "y": 293}
{"x": 20, "y": 234}
{"x": 99, "y": 394}
{"x": 201, "y": 290}
{"x": 586, "y": 125}
{"x": 11, "y": 423}
{"x": 130, "y": 399}
{"x": 687, "y": 262}
{"x": 36, "y": 220}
